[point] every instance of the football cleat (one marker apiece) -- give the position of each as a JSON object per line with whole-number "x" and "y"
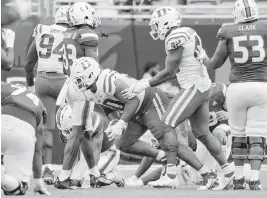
{"x": 66, "y": 184}
{"x": 255, "y": 185}
{"x": 48, "y": 176}
{"x": 85, "y": 183}
{"x": 134, "y": 182}
{"x": 224, "y": 183}
{"x": 239, "y": 184}
{"x": 208, "y": 181}
{"x": 165, "y": 182}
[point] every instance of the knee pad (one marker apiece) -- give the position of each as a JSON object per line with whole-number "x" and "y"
{"x": 239, "y": 148}
{"x": 20, "y": 190}
{"x": 256, "y": 148}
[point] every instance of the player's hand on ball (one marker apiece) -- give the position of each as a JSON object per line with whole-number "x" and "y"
{"x": 201, "y": 54}
{"x": 222, "y": 115}
{"x": 40, "y": 188}
{"x": 8, "y": 36}
{"x": 115, "y": 130}
{"x": 135, "y": 89}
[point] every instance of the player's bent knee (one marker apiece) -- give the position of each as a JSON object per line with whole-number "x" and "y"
{"x": 220, "y": 135}
{"x": 239, "y": 147}
{"x": 20, "y": 190}
{"x": 256, "y": 148}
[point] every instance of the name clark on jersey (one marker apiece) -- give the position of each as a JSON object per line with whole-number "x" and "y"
{"x": 247, "y": 27}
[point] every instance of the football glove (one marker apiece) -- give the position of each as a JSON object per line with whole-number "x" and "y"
{"x": 115, "y": 131}
{"x": 135, "y": 89}
{"x": 40, "y": 188}
{"x": 201, "y": 54}
{"x": 8, "y": 36}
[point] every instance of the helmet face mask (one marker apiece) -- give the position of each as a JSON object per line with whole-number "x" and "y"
{"x": 245, "y": 11}
{"x": 63, "y": 120}
{"x": 162, "y": 20}
{"x": 85, "y": 72}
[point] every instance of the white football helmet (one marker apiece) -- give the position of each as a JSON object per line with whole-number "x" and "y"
{"x": 83, "y": 13}
{"x": 245, "y": 11}
{"x": 162, "y": 20}
{"x": 84, "y": 72}
{"x": 63, "y": 120}
{"x": 61, "y": 15}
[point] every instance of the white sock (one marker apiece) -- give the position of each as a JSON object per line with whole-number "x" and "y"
{"x": 255, "y": 175}
{"x": 161, "y": 154}
{"x": 239, "y": 172}
{"x": 171, "y": 169}
{"x": 9, "y": 183}
{"x": 134, "y": 177}
{"x": 64, "y": 174}
{"x": 49, "y": 166}
{"x": 204, "y": 169}
{"x": 94, "y": 171}
{"x": 247, "y": 171}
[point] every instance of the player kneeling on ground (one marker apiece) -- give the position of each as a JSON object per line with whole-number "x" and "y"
{"x": 109, "y": 157}
{"x": 23, "y": 116}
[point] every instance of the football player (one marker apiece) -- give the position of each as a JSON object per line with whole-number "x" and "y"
{"x": 104, "y": 86}
{"x": 244, "y": 42}
{"x": 47, "y": 50}
{"x": 109, "y": 157}
{"x": 22, "y": 118}
{"x": 80, "y": 41}
{"x": 192, "y": 102}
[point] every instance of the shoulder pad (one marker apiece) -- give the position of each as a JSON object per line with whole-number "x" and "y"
{"x": 40, "y": 29}
{"x": 223, "y": 31}
{"x": 177, "y": 38}
{"x": 89, "y": 38}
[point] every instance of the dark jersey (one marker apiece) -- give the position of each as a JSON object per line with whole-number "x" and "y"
{"x": 73, "y": 45}
{"x": 18, "y": 101}
{"x": 247, "y": 47}
{"x": 216, "y": 103}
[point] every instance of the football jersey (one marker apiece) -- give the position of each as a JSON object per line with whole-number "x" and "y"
{"x": 49, "y": 47}
{"x": 216, "y": 103}
{"x": 247, "y": 47}
{"x": 106, "y": 87}
{"x": 14, "y": 97}
{"x": 74, "y": 42}
{"x": 191, "y": 71}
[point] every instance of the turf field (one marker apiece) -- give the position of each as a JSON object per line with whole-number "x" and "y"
{"x": 184, "y": 191}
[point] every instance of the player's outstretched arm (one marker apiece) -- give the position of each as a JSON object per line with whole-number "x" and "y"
{"x": 130, "y": 105}
{"x": 172, "y": 63}
{"x": 37, "y": 162}
{"x": 31, "y": 60}
{"x": 219, "y": 57}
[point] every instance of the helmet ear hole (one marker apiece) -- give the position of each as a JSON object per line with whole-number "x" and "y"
{"x": 86, "y": 17}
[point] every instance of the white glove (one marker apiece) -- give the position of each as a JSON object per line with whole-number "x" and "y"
{"x": 201, "y": 54}
{"x": 39, "y": 187}
{"x": 135, "y": 89}
{"x": 8, "y": 36}
{"x": 32, "y": 88}
{"x": 185, "y": 172}
{"x": 116, "y": 130}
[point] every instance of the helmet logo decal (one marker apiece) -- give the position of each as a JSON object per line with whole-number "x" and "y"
{"x": 162, "y": 12}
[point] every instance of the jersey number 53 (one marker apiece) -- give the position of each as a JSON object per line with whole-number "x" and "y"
{"x": 251, "y": 48}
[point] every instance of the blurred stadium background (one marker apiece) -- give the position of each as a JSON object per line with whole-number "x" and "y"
{"x": 129, "y": 45}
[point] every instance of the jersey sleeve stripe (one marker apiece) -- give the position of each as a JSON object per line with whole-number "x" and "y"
{"x": 110, "y": 84}
{"x": 89, "y": 37}
{"x": 40, "y": 29}
{"x": 176, "y": 35}
{"x": 104, "y": 84}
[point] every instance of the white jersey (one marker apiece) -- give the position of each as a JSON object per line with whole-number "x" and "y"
{"x": 106, "y": 87}
{"x": 49, "y": 43}
{"x": 192, "y": 72}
